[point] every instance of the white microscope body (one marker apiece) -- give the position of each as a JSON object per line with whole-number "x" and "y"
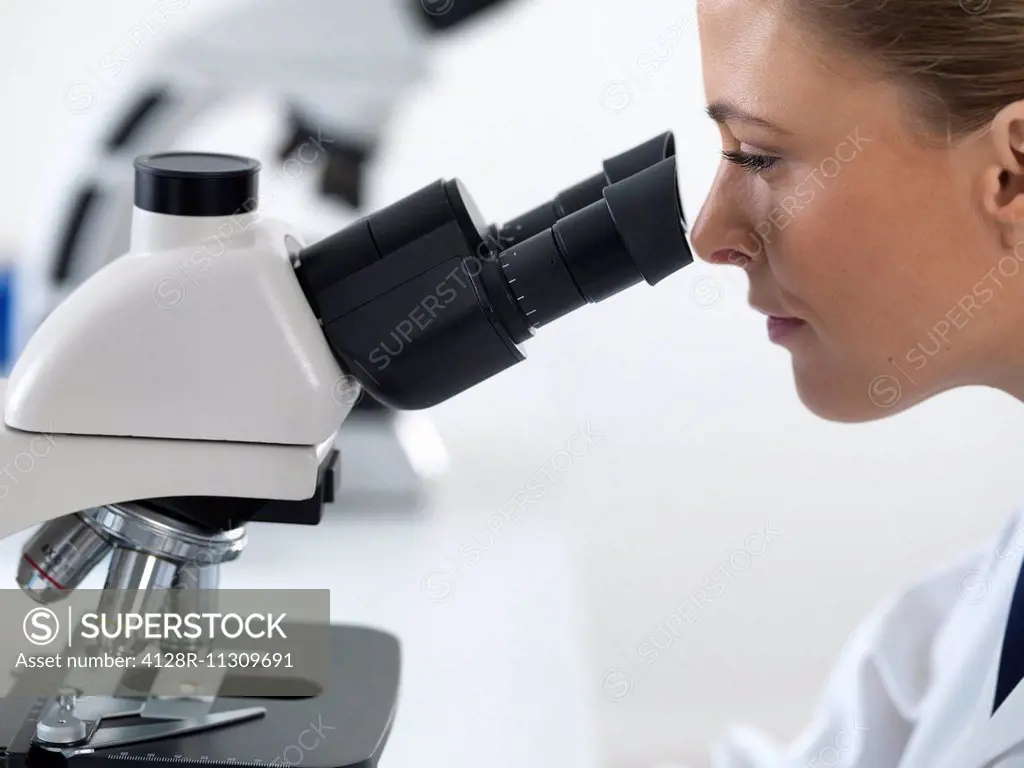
{"x": 226, "y": 388}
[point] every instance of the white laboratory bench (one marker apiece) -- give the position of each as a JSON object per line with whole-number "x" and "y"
{"x": 494, "y": 673}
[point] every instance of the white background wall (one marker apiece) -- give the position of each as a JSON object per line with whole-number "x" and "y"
{"x": 704, "y": 440}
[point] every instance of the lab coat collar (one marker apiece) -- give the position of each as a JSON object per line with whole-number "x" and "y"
{"x": 990, "y": 736}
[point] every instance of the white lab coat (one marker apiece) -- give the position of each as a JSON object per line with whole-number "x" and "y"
{"x": 914, "y": 686}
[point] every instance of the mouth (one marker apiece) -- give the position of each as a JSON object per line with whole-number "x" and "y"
{"x": 781, "y": 326}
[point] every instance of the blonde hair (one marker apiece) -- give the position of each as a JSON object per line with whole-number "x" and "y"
{"x": 961, "y": 61}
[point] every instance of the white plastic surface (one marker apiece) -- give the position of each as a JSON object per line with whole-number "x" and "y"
{"x": 212, "y": 341}
{"x": 48, "y": 475}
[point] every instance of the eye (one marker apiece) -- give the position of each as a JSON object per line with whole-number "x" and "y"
{"x": 750, "y": 162}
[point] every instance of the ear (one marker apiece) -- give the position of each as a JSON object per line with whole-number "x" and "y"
{"x": 1003, "y": 182}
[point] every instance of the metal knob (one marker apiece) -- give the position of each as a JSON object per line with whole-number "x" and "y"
{"x": 61, "y": 725}
{"x": 61, "y": 730}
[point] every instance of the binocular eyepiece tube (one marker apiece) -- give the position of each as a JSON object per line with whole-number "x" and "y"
{"x": 424, "y": 299}
{"x": 588, "y": 191}
{"x": 631, "y": 232}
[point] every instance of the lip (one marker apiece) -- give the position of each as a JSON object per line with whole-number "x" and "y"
{"x": 781, "y": 328}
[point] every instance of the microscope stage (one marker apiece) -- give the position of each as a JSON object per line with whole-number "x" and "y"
{"x": 345, "y": 726}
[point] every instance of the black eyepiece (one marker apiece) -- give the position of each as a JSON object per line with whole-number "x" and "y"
{"x": 635, "y": 232}
{"x": 420, "y": 301}
{"x": 588, "y": 191}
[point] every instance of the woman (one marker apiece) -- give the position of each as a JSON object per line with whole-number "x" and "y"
{"x": 872, "y": 188}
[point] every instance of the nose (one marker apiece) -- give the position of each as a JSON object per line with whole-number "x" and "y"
{"x": 722, "y": 234}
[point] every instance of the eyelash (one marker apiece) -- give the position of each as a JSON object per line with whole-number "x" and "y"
{"x": 750, "y": 162}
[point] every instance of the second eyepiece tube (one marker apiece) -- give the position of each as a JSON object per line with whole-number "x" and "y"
{"x": 633, "y": 232}
{"x": 580, "y": 195}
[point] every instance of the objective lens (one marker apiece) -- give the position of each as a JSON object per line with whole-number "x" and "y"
{"x": 59, "y": 557}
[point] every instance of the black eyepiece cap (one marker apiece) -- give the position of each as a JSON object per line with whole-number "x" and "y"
{"x": 196, "y": 184}
{"x": 648, "y": 215}
{"x": 640, "y": 157}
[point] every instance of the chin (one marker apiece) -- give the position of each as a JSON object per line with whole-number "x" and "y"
{"x": 850, "y": 398}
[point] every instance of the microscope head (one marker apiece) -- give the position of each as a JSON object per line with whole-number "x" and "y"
{"x": 425, "y": 299}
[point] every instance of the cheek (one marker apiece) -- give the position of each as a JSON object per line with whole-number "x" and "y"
{"x": 864, "y": 258}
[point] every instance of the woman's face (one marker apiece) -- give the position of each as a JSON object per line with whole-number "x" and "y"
{"x": 892, "y": 253}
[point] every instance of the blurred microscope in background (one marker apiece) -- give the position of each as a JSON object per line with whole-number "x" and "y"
{"x": 329, "y": 75}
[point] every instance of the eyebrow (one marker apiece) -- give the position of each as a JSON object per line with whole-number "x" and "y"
{"x": 721, "y": 111}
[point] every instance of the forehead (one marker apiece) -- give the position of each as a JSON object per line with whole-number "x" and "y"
{"x": 755, "y": 55}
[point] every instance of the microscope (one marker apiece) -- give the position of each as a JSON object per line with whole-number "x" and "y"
{"x": 198, "y": 382}
{"x": 338, "y": 69}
